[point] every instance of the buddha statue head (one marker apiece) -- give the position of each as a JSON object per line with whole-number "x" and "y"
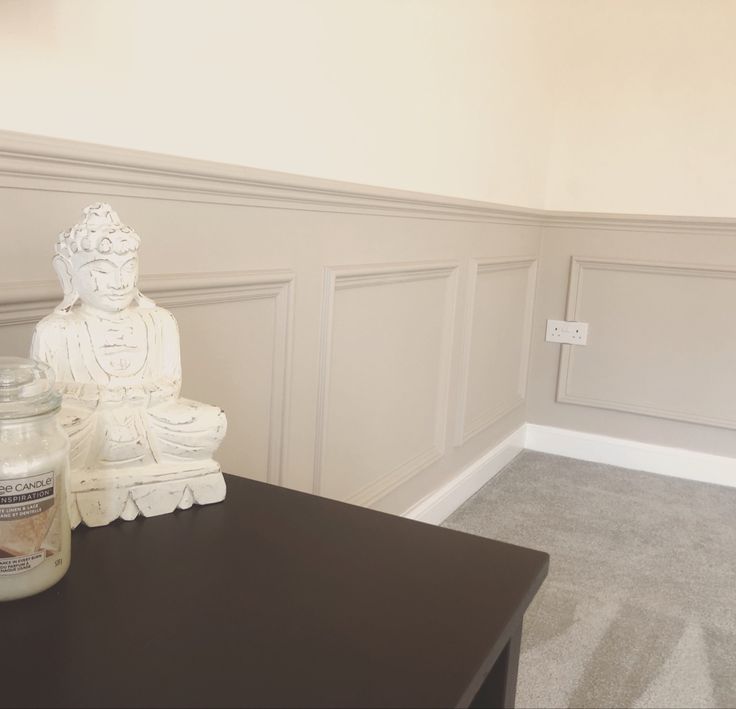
{"x": 97, "y": 262}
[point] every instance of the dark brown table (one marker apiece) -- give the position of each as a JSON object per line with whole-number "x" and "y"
{"x": 273, "y": 598}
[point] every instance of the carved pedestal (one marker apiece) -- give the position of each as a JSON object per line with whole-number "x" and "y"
{"x": 102, "y": 497}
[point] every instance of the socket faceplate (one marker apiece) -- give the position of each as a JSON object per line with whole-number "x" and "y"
{"x": 570, "y": 333}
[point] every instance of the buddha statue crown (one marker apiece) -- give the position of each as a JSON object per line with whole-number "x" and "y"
{"x": 100, "y": 230}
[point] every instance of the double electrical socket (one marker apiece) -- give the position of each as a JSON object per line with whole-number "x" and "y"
{"x": 571, "y": 333}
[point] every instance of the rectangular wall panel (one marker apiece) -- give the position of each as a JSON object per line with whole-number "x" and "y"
{"x": 497, "y": 333}
{"x": 661, "y": 341}
{"x": 387, "y": 342}
{"x": 235, "y": 333}
{"x": 237, "y": 378}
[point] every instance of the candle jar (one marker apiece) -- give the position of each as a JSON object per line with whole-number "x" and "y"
{"x": 35, "y": 535}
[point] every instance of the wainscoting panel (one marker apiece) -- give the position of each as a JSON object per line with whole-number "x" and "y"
{"x": 340, "y": 380}
{"x": 497, "y": 331}
{"x": 374, "y": 388}
{"x": 385, "y": 368}
{"x": 661, "y": 342}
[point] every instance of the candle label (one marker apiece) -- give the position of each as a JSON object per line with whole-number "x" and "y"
{"x": 18, "y": 564}
{"x": 29, "y": 522}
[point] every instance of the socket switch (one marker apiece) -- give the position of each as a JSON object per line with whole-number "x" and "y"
{"x": 570, "y": 333}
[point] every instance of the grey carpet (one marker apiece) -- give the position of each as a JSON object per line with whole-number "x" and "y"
{"x": 639, "y": 608}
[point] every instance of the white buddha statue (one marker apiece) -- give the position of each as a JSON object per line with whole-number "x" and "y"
{"x": 136, "y": 446}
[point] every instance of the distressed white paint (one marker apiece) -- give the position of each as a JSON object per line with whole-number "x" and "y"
{"x": 136, "y": 446}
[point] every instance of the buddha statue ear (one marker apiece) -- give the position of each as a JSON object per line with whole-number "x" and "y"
{"x": 61, "y": 266}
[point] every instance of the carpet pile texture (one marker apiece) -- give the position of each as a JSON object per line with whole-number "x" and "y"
{"x": 639, "y": 608}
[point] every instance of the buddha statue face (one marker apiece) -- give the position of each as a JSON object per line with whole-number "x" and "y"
{"x": 106, "y": 282}
{"x": 97, "y": 262}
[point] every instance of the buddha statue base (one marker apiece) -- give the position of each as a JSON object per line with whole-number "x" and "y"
{"x": 102, "y": 496}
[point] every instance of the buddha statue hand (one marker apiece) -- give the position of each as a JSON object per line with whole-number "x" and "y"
{"x": 159, "y": 392}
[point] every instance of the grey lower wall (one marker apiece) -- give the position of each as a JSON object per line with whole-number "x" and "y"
{"x": 366, "y": 344}
{"x": 660, "y": 364}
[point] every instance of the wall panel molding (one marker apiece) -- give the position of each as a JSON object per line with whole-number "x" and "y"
{"x": 36, "y": 162}
{"x": 646, "y": 223}
{"x": 27, "y": 303}
{"x": 341, "y": 278}
{"x": 43, "y": 163}
{"x": 581, "y": 265}
{"x": 464, "y": 428}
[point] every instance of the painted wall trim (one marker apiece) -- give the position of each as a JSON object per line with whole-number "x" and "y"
{"x": 436, "y": 507}
{"x": 26, "y": 302}
{"x": 664, "y": 460}
{"x": 639, "y": 222}
{"x": 439, "y": 505}
{"x": 38, "y": 162}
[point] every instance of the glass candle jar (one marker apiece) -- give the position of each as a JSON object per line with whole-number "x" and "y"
{"x": 35, "y": 536}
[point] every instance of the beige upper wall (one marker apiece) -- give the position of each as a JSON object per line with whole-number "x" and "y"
{"x": 646, "y": 107}
{"x": 606, "y": 105}
{"x": 428, "y": 95}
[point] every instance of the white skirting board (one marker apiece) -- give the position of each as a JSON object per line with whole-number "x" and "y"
{"x": 664, "y": 460}
{"x": 439, "y": 505}
{"x": 675, "y": 462}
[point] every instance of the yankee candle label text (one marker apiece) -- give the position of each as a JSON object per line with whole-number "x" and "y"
{"x": 24, "y": 497}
